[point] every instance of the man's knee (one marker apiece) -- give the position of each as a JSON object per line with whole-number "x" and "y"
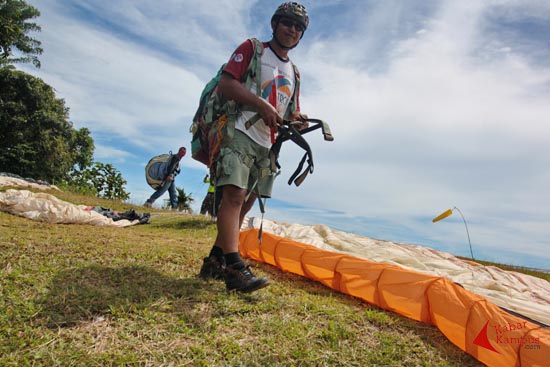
{"x": 233, "y": 196}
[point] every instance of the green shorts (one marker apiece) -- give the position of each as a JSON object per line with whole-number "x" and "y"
{"x": 244, "y": 163}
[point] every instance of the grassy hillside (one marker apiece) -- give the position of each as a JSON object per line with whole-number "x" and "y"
{"x": 75, "y": 295}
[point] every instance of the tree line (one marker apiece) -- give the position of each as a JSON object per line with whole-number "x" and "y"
{"x": 37, "y": 139}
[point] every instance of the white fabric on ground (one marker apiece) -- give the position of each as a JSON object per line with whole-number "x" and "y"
{"x": 47, "y": 208}
{"x": 521, "y": 293}
{"x": 17, "y": 182}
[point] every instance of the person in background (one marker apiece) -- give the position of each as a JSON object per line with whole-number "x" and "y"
{"x": 167, "y": 172}
{"x": 207, "y": 206}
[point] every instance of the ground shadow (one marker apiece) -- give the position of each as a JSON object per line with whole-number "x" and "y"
{"x": 81, "y": 294}
{"x": 185, "y": 224}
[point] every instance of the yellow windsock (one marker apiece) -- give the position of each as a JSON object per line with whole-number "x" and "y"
{"x": 443, "y": 215}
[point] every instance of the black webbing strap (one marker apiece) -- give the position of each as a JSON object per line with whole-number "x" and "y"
{"x": 256, "y": 189}
{"x": 298, "y": 181}
{"x": 289, "y": 132}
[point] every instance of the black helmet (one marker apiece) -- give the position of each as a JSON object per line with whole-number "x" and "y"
{"x": 292, "y": 10}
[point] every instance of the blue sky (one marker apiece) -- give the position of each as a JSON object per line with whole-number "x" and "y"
{"x": 433, "y": 104}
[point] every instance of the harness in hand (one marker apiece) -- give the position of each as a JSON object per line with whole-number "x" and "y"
{"x": 288, "y": 131}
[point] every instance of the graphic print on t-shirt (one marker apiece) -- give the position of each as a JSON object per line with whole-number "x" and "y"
{"x": 276, "y": 88}
{"x": 283, "y": 87}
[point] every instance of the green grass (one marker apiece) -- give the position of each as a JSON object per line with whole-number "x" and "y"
{"x": 75, "y": 295}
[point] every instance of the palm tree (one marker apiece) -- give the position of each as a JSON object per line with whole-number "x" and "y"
{"x": 184, "y": 200}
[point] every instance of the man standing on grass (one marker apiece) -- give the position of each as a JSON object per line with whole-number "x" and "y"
{"x": 243, "y": 167}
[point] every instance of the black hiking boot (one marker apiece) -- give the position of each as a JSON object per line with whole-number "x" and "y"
{"x": 212, "y": 268}
{"x": 242, "y": 280}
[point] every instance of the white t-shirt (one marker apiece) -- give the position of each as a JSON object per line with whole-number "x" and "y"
{"x": 278, "y": 83}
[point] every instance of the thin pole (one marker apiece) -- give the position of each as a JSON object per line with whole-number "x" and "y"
{"x": 468, "y": 233}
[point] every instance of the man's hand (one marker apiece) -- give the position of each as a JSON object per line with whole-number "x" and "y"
{"x": 269, "y": 114}
{"x": 169, "y": 178}
{"x": 297, "y": 116}
{"x": 233, "y": 89}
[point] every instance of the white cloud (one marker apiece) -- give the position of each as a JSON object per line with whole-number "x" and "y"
{"x": 115, "y": 87}
{"x": 103, "y": 152}
{"x": 439, "y": 127}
